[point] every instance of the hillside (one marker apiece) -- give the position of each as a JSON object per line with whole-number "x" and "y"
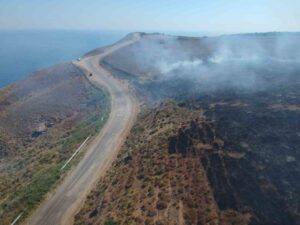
{"x": 43, "y": 119}
{"x": 217, "y": 141}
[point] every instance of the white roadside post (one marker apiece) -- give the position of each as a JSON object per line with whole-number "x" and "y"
{"x": 17, "y": 219}
{"x": 75, "y": 153}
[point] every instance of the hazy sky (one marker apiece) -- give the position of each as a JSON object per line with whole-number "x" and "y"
{"x": 161, "y": 15}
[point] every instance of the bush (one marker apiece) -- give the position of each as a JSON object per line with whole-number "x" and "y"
{"x": 110, "y": 222}
{"x": 161, "y": 205}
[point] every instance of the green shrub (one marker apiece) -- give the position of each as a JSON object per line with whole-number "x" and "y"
{"x": 110, "y": 222}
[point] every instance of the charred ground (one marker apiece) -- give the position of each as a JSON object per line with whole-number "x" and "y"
{"x": 218, "y": 139}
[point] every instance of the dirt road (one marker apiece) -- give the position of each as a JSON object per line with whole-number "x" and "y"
{"x": 61, "y": 207}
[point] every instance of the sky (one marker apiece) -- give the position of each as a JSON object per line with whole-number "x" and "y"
{"x": 219, "y": 16}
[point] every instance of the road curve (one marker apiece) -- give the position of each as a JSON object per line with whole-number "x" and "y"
{"x": 61, "y": 206}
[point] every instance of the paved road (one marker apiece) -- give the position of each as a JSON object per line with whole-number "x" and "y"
{"x": 61, "y": 207}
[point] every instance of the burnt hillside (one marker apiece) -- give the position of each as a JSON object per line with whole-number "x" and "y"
{"x": 223, "y": 150}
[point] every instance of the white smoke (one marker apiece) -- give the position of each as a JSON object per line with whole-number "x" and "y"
{"x": 253, "y": 62}
{"x": 165, "y": 67}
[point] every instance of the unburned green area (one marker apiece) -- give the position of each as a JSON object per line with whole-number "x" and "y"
{"x": 36, "y": 170}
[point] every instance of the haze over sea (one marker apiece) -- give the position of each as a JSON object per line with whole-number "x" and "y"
{"x": 25, "y": 51}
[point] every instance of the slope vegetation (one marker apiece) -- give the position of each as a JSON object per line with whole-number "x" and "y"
{"x": 43, "y": 119}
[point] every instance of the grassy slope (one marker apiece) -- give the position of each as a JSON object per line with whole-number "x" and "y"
{"x": 31, "y": 166}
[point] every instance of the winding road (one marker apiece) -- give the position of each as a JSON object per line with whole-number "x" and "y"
{"x": 61, "y": 207}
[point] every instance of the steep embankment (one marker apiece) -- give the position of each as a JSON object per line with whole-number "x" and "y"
{"x": 43, "y": 119}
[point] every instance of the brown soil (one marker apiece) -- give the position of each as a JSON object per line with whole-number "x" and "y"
{"x": 148, "y": 184}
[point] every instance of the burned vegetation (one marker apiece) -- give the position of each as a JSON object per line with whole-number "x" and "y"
{"x": 217, "y": 141}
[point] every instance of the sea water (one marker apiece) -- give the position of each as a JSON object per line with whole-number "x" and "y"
{"x": 25, "y": 51}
